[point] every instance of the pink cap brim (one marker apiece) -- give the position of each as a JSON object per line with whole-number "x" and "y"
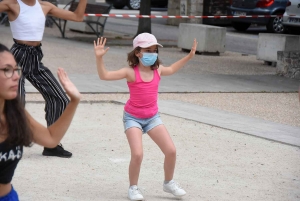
{"x": 149, "y": 45}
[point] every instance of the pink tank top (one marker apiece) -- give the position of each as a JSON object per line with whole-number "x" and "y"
{"x": 142, "y": 102}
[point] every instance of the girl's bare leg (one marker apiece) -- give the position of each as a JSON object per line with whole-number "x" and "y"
{"x": 161, "y": 137}
{"x": 134, "y": 137}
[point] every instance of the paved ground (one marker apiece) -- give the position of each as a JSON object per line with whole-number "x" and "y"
{"x": 213, "y": 164}
{"x": 216, "y": 160}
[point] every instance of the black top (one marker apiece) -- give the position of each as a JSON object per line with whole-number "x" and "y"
{"x": 9, "y": 159}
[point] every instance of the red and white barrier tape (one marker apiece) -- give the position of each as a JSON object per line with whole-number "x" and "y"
{"x": 180, "y": 17}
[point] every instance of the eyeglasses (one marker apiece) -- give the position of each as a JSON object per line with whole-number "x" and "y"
{"x": 9, "y": 71}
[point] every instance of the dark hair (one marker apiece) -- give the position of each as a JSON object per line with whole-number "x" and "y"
{"x": 16, "y": 126}
{"x": 3, "y": 48}
{"x": 133, "y": 60}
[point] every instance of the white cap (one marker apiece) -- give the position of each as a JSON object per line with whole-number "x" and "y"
{"x": 144, "y": 40}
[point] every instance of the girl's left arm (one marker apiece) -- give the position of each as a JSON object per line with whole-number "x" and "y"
{"x": 179, "y": 64}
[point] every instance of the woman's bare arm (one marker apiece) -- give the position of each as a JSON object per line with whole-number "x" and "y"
{"x": 51, "y": 136}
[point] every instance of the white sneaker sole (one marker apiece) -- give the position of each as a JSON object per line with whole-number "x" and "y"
{"x": 136, "y": 199}
{"x": 178, "y": 196}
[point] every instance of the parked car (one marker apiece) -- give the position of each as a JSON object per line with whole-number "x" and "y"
{"x": 258, "y": 7}
{"x": 291, "y": 17}
{"x": 136, "y": 4}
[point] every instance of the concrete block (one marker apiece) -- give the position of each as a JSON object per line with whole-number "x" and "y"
{"x": 211, "y": 39}
{"x": 288, "y": 64}
{"x": 269, "y": 44}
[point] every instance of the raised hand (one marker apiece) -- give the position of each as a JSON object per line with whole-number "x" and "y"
{"x": 99, "y": 47}
{"x": 70, "y": 88}
{"x": 194, "y": 48}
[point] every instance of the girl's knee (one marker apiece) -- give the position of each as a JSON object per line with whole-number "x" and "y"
{"x": 171, "y": 152}
{"x": 137, "y": 157}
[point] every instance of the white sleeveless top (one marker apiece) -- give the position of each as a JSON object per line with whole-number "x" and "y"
{"x": 30, "y": 24}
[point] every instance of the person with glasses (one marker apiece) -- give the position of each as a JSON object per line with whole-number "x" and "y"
{"x": 10, "y": 70}
{"x": 27, "y": 23}
{"x": 18, "y": 128}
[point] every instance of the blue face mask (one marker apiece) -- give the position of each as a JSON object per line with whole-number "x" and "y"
{"x": 148, "y": 59}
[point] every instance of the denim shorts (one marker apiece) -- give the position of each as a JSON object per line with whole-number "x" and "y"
{"x": 145, "y": 125}
{"x": 11, "y": 196}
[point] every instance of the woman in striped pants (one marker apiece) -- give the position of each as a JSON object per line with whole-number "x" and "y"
{"x": 29, "y": 59}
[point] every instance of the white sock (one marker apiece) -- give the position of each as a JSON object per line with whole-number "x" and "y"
{"x": 166, "y": 182}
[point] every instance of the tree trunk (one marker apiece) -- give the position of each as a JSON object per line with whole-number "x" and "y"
{"x": 144, "y": 23}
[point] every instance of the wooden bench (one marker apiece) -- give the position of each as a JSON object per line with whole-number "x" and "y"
{"x": 95, "y": 8}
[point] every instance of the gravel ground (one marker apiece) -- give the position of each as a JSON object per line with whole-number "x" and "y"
{"x": 282, "y": 108}
{"x": 213, "y": 164}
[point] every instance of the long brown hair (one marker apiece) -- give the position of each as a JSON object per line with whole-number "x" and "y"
{"x": 17, "y": 127}
{"x": 133, "y": 60}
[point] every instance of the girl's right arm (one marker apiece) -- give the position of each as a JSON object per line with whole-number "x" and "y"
{"x": 51, "y": 136}
{"x": 100, "y": 51}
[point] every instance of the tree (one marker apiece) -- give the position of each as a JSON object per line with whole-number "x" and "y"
{"x": 144, "y": 23}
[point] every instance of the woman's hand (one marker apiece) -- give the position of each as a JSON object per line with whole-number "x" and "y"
{"x": 99, "y": 47}
{"x": 194, "y": 48}
{"x": 70, "y": 88}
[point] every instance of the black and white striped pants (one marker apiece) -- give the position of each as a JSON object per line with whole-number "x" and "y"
{"x": 29, "y": 59}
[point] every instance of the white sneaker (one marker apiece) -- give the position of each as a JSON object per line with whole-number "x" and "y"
{"x": 174, "y": 188}
{"x": 134, "y": 193}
